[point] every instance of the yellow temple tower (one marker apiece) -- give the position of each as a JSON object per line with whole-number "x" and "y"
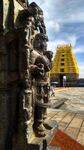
{"x": 64, "y": 65}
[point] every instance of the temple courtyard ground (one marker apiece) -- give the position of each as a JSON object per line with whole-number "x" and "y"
{"x": 67, "y": 109}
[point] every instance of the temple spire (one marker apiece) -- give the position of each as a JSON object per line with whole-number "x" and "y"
{"x": 64, "y": 64}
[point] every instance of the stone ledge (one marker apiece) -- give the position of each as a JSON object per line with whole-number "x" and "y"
{"x": 43, "y": 142}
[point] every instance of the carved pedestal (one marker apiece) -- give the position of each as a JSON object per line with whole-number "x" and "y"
{"x": 43, "y": 143}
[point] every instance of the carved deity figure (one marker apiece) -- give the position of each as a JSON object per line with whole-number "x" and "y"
{"x": 41, "y": 65}
{"x": 25, "y": 63}
{"x": 34, "y": 65}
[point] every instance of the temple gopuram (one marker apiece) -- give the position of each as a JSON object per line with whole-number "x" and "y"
{"x": 64, "y": 66}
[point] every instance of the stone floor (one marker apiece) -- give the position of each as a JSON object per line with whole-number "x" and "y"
{"x": 74, "y": 98}
{"x": 70, "y": 116}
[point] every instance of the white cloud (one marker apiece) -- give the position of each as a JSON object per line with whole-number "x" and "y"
{"x": 79, "y": 49}
{"x": 64, "y": 11}
{"x": 54, "y": 25}
{"x": 77, "y": 17}
{"x": 72, "y": 39}
{"x": 38, "y": 2}
{"x": 81, "y": 70}
{"x": 52, "y": 45}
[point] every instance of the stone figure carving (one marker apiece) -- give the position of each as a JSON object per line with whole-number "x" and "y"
{"x": 34, "y": 46}
{"x": 40, "y": 68}
{"x": 37, "y": 12}
{"x": 24, "y": 83}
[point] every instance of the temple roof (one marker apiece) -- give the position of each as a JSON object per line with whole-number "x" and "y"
{"x": 64, "y": 60}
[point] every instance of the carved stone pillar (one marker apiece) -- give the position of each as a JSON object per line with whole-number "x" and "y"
{"x": 1, "y": 16}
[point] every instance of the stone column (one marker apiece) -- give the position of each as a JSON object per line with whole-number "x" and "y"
{"x": 3, "y": 93}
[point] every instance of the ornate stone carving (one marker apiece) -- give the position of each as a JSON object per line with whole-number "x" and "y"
{"x": 41, "y": 83}
{"x": 24, "y": 83}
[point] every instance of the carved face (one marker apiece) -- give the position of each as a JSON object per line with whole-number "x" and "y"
{"x": 40, "y": 16}
{"x": 40, "y": 42}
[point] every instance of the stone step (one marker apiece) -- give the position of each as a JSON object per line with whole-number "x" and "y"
{"x": 42, "y": 143}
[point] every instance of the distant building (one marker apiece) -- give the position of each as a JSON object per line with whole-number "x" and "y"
{"x": 64, "y": 67}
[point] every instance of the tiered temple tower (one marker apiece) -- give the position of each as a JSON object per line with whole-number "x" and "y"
{"x": 64, "y": 65}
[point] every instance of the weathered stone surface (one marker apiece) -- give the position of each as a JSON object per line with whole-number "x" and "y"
{"x": 43, "y": 143}
{"x": 24, "y": 83}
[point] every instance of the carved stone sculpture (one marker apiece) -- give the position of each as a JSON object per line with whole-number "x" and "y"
{"x": 24, "y": 83}
{"x": 41, "y": 84}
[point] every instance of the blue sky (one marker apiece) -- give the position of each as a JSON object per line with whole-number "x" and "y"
{"x": 64, "y": 21}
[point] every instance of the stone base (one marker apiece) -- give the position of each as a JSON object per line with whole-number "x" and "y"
{"x": 42, "y": 143}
